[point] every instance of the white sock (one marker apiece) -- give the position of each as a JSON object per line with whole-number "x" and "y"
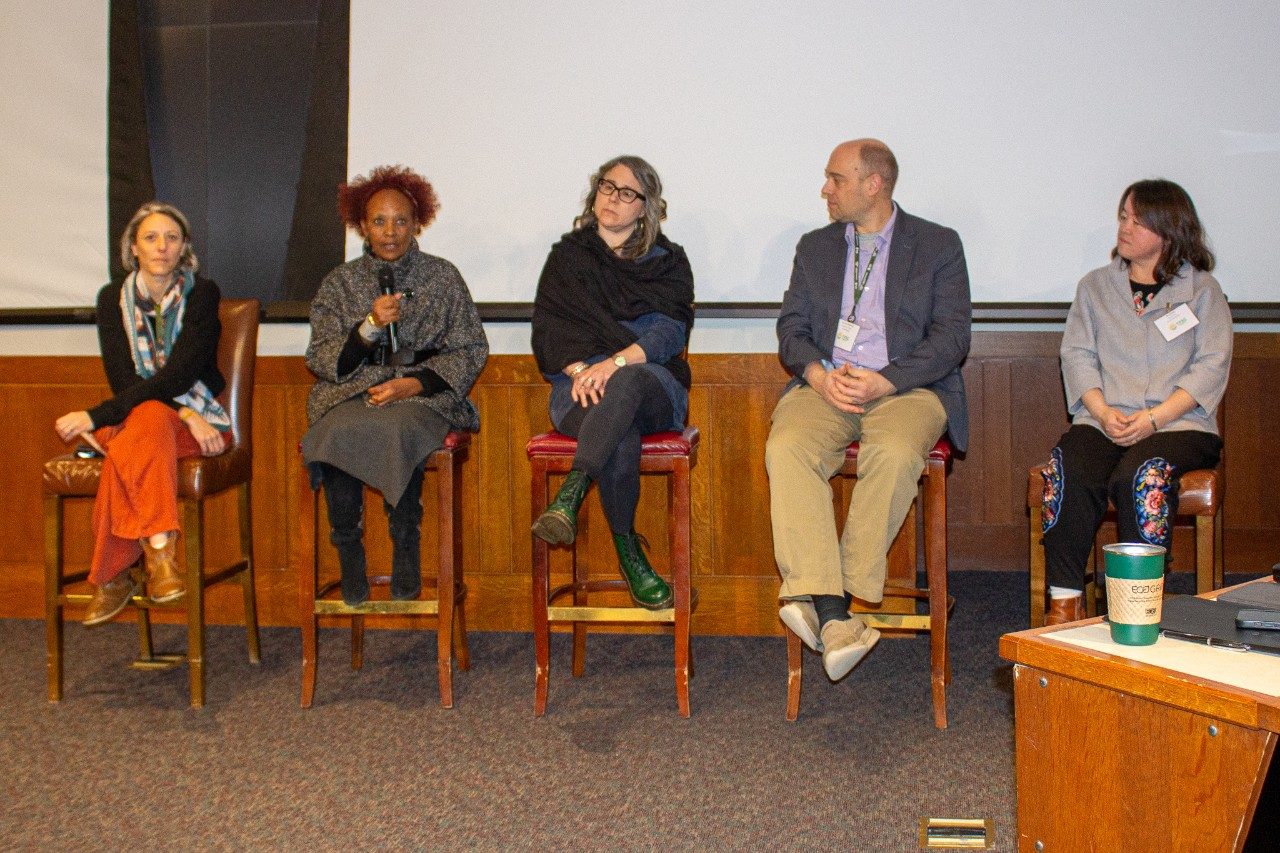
{"x": 1063, "y": 592}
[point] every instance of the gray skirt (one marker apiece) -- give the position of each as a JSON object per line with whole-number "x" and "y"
{"x": 378, "y": 446}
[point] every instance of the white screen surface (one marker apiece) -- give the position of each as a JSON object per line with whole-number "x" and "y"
{"x": 1016, "y": 123}
{"x": 53, "y": 135}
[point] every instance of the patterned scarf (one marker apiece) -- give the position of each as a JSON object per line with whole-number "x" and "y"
{"x": 151, "y": 345}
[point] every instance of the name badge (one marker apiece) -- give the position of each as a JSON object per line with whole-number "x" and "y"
{"x": 1177, "y": 321}
{"x": 846, "y": 334}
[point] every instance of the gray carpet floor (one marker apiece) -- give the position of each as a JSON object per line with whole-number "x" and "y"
{"x": 376, "y": 763}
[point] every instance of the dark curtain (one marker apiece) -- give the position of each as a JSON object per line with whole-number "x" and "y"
{"x": 235, "y": 111}
{"x": 316, "y": 237}
{"x": 129, "y": 180}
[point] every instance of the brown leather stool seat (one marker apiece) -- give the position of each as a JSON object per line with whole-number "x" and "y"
{"x": 70, "y": 477}
{"x": 1199, "y": 502}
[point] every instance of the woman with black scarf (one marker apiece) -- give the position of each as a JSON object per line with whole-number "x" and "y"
{"x": 611, "y": 322}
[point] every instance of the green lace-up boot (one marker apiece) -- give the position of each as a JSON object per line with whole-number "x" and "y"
{"x": 647, "y": 589}
{"x": 559, "y": 524}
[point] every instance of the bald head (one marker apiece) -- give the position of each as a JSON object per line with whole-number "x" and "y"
{"x": 859, "y": 184}
{"x": 875, "y": 158}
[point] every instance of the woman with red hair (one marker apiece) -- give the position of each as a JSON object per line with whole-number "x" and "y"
{"x": 396, "y": 344}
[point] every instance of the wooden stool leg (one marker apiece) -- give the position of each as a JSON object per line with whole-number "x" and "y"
{"x": 579, "y": 599}
{"x": 1036, "y": 567}
{"x": 246, "y": 576}
{"x": 1092, "y": 588}
{"x": 53, "y": 595}
{"x": 146, "y": 648}
{"x": 357, "y": 641}
{"x": 308, "y": 567}
{"x": 935, "y": 561}
{"x": 309, "y": 631}
{"x": 444, "y": 644}
{"x": 795, "y": 674}
{"x": 445, "y": 589}
{"x": 679, "y": 507}
{"x": 1205, "y": 568}
{"x": 461, "y": 651}
{"x": 541, "y": 588}
{"x": 1218, "y": 545}
{"x": 193, "y": 530}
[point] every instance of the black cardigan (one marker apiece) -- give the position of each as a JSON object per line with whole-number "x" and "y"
{"x": 194, "y": 356}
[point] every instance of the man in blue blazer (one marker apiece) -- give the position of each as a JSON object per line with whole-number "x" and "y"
{"x": 873, "y": 328}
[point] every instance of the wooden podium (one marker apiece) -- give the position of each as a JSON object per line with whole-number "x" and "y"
{"x": 1114, "y": 754}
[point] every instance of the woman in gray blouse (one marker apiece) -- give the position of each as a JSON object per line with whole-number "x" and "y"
{"x": 396, "y": 344}
{"x": 1145, "y": 358}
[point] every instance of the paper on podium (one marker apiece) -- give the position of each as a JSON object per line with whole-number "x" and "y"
{"x": 1246, "y": 670}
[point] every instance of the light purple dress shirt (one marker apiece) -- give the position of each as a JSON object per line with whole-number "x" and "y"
{"x": 870, "y": 347}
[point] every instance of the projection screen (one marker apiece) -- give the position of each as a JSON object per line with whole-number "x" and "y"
{"x": 1017, "y": 123}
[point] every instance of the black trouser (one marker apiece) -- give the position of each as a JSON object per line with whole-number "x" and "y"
{"x": 344, "y": 495}
{"x": 1141, "y": 481}
{"x": 608, "y": 434}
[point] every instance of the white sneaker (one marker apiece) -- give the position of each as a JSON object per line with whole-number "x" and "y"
{"x": 802, "y": 619}
{"x": 847, "y": 642}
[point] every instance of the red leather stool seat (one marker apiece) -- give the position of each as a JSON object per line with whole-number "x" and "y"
{"x": 669, "y": 453}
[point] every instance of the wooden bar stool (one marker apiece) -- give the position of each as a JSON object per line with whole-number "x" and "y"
{"x": 316, "y": 599}
{"x": 69, "y": 477}
{"x": 933, "y": 500}
{"x": 1199, "y": 503}
{"x": 1200, "y": 496}
{"x": 671, "y": 453}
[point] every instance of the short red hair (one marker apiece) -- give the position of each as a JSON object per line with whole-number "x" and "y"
{"x": 353, "y": 197}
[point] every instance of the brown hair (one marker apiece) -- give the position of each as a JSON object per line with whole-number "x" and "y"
{"x": 186, "y": 261}
{"x": 877, "y": 159}
{"x": 649, "y": 225}
{"x": 1165, "y": 208}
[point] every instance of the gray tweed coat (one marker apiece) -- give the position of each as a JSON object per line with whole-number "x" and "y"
{"x": 440, "y": 316}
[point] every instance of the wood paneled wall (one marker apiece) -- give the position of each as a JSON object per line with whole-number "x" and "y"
{"x": 1016, "y": 406}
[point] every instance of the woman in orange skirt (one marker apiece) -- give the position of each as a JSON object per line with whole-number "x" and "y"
{"x": 158, "y": 330}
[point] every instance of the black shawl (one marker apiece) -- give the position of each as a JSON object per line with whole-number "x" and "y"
{"x": 585, "y": 289}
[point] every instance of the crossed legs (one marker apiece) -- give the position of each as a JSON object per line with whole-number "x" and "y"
{"x": 806, "y": 447}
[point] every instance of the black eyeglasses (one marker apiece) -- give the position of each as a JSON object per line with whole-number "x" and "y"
{"x": 627, "y": 194}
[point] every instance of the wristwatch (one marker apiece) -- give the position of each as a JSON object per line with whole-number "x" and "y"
{"x": 620, "y": 360}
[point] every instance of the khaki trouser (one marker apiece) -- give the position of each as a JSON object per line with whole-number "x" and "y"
{"x": 806, "y": 448}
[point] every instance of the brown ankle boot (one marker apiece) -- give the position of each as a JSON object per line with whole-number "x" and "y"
{"x": 1063, "y": 610}
{"x": 164, "y": 581}
{"x": 109, "y": 599}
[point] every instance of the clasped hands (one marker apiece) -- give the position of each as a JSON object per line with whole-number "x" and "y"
{"x": 400, "y": 388}
{"x": 589, "y": 382}
{"x": 849, "y": 388}
{"x": 1127, "y": 430}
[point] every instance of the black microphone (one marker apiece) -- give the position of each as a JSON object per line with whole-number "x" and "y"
{"x": 387, "y": 282}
